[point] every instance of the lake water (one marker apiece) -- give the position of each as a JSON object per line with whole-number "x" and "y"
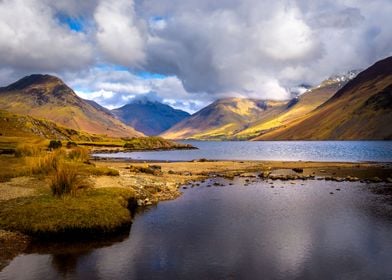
{"x": 352, "y": 151}
{"x": 291, "y": 231}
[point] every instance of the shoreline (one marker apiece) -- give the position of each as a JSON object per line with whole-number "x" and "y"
{"x": 155, "y": 181}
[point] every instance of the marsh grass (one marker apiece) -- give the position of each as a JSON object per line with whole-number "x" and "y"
{"x": 45, "y": 163}
{"x": 91, "y": 211}
{"x": 66, "y": 180}
{"x": 30, "y": 150}
{"x": 79, "y": 154}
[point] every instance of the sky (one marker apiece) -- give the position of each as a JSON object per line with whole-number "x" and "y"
{"x": 187, "y": 53}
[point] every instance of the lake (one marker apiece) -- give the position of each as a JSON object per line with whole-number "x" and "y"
{"x": 288, "y": 231}
{"x": 352, "y": 151}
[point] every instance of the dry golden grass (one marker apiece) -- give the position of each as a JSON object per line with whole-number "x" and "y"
{"x": 79, "y": 154}
{"x": 23, "y": 150}
{"x": 66, "y": 180}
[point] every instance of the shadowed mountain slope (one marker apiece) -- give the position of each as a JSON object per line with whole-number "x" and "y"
{"x": 149, "y": 117}
{"x": 362, "y": 109}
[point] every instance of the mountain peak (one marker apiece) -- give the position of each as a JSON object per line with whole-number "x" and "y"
{"x": 34, "y": 79}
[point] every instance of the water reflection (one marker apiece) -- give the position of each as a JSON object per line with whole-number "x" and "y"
{"x": 236, "y": 232}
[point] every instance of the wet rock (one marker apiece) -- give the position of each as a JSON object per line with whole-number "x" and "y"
{"x": 265, "y": 174}
{"x": 351, "y": 179}
{"x": 375, "y": 180}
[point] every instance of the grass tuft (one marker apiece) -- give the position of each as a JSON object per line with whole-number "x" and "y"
{"x": 27, "y": 150}
{"x": 79, "y": 154}
{"x": 66, "y": 180}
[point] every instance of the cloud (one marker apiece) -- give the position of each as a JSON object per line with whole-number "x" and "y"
{"x": 118, "y": 33}
{"x": 33, "y": 40}
{"x": 113, "y": 88}
{"x": 201, "y": 49}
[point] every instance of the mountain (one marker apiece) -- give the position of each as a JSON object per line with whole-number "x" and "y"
{"x": 299, "y": 106}
{"x": 46, "y": 96}
{"x": 362, "y": 109}
{"x": 224, "y": 118}
{"x": 149, "y": 117}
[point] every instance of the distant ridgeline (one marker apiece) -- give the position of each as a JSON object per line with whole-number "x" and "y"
{"x": 349, "y": 107}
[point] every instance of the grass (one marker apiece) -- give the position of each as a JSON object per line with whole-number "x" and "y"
{"x": 66, "y": 180}
{"x": 91, "y": 211}
{"x": 152, "y": 143}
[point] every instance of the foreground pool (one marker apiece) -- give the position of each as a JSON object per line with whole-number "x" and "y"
{"x": 247, "y": 230}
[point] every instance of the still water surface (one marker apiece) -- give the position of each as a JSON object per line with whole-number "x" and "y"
{"x": 352, "y": 151}
{"x": 291, "y": 231}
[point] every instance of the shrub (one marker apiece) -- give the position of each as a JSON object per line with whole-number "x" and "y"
{"x": 55, "y": 144}
{"x": 71, "y": 144}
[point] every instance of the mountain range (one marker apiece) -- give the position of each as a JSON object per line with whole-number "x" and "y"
{"x": 350, "y": 106}
{"x": 149, "y": 117}
{"x": 362, "y": 109}
{"x": 343, "y": 107}
{"x": 243, "y": 119}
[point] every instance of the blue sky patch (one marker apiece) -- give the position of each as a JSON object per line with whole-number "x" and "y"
{"x": 75, "y": 24}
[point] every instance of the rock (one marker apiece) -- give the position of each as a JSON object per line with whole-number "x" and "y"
{"x": 249, "y": 175}
{"x": 338, "y": 189}
{"x": 298, "y": 170}
{"x": 375, "y": 180}
{"x": 265, "y": 174}
{"x": 331, "y": 193}
{"x": 388, "y": 180}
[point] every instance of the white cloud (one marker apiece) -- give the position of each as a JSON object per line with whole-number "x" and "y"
{"x": 32, "y": 39}
{"x": 207, "y": 49}
{"x": 118, "y": 33}
{"x": 115, "y": 88}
